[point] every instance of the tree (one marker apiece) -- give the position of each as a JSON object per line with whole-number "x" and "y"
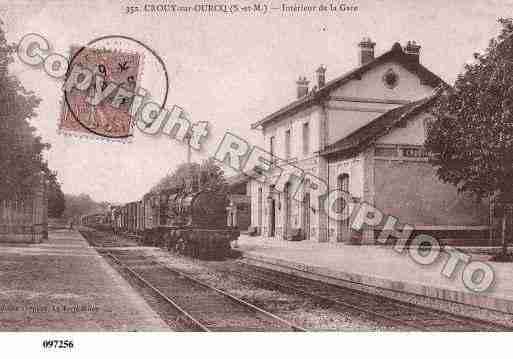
{"x": 208, "y": 172}
{"x": 56, "y": 200}
{"x": 82, "y": 204}
{"x": 212, "y": 176}
{"x": 20, "y": 148}
{"x": 472, "y": 140}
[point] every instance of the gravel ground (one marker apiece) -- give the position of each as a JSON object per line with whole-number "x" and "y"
{"x": 168, "y": 314}
{"x": 302, "y": 311}
{"x": 438, "y": 304}
{"x": 451, "y": 307}
{"x": 307, "y": 312}
{"x": 106, "y": 239}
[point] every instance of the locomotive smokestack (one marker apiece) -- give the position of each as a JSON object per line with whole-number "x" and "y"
{"x": 203, "y": 180}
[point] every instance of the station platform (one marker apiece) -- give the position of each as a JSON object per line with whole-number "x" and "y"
{"x": 63, "y": 284}
{"x": 380, "y": 269}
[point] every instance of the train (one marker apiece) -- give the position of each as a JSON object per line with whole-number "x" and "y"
{"x": 187, "y": 219}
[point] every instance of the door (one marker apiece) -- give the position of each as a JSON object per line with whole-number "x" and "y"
{"x": 287, "y": 211}
{"x": 306, "y": 216}
{"x": 343, "y": 225}
{"x": 272, "y": 218}
{"x": 259, "y": 209}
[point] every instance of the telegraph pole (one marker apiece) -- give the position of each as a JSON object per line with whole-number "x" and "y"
{"x": 189, "y": 154}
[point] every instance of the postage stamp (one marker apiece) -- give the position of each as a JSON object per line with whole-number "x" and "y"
{"x": 117, "y": 68}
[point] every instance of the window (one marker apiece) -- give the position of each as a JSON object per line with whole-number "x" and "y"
{"x": 428, "y": 123}
{"x": 259, "y": 209}
{"x": 390, "y": 79}
{"x": 287, "y": 144}
{"x": 271, "y": 147}
{"x": 306, "y": 138}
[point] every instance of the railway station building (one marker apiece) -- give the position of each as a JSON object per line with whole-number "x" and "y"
{"x": 239, "y": 206}
{"x": 362, "y": 132}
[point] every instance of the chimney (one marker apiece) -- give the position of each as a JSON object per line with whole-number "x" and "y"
{"x": 321, "y": 76}
{"x": 413, "y": 50}
{"x": 366, "y": 50}
{"x": 302, "y": 87}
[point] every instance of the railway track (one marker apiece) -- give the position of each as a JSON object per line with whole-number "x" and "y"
{"x": 199, "y": 306}
{"x": 402, "y": 315}
{"x": 394, "y": 313}
{"x": 101, "y": 239}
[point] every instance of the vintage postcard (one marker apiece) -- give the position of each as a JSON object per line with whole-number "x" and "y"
{"x": 279, "y": 167}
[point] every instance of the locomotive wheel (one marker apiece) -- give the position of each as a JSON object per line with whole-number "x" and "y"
{"x": 166, "y": 242}
{"x": 180, "y": 246}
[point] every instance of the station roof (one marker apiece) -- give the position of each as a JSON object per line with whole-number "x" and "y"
{"x": 396, "y": 53}
{"x": 366, "y": 135}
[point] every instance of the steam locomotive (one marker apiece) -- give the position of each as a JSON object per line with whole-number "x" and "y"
{"x": 188, "y": 219}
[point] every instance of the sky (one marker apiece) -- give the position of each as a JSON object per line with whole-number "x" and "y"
{"x": 229, "y": 70}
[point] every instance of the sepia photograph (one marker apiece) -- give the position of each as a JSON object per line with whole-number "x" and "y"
{"x": 293, "y": 175}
